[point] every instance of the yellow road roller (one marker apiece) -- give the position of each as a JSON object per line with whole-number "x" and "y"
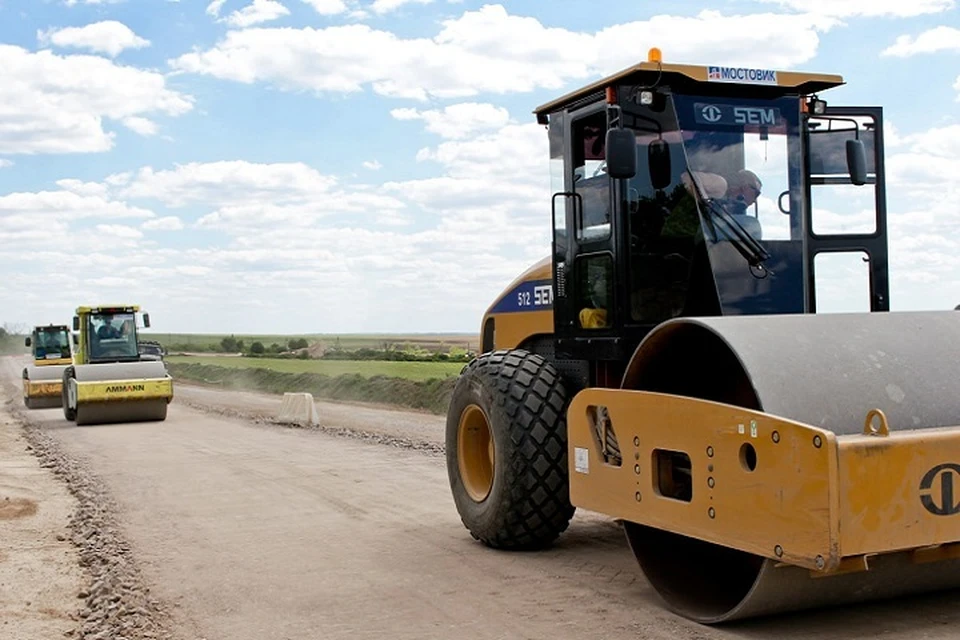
{"x": 110, "y": 380}
{"x": 667, "y": 365}
{"x": 51, "y": 353}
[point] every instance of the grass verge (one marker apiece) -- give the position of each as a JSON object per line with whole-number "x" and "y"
{"x": 212, "y": 342}
{"x": 431, "y": 395}
{"x": 367, "y": 368}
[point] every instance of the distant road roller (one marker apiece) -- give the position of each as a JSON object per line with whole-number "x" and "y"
{"x": 110, "y": 380}
{"x": 51, "y": 352}
{"x": 666, "y": 365}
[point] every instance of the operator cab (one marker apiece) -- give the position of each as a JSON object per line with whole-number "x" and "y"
{"x": 50, "y": 343}
{"x": 109, "y": 334}
{"x": 688, "y": 191}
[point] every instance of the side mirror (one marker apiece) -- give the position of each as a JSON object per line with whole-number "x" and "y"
{"x": 146, "y": 320}
{"x": 76, "y": 340}
{"x": 658, "y": 159}
{"x": 76, "y": 323}
{"x": 621, "y": 154}
{"x": 26, "y": 341}
{"x": 857, "y": 162}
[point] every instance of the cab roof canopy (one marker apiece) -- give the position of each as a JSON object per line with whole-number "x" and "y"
{"x": 703, "y": 80}
{"x": 108, "y": 308}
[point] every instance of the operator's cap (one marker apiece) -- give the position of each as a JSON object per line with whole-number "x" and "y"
{"x": 747, "y": 178}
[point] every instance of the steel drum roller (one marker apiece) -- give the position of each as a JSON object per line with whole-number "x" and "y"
{"x": 138, "y": 410}
{"x": 827, "y": 371}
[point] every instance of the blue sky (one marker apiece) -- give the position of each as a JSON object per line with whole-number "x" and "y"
{"x": 373, "y": 165}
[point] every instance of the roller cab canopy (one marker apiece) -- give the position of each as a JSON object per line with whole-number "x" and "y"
{"x": 108, "y": 332}
{"x": 50, "y": 345}
{"x": 108, "y": 308}
{"x": 701, "y": 79}
{"x": 684, "y": 190}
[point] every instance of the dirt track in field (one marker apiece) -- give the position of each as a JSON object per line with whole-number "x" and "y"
{"x": 248, "y": 530}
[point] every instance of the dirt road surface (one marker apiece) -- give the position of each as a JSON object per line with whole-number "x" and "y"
{"x": 40, "y": 576}
{"x": 262, "y": 532}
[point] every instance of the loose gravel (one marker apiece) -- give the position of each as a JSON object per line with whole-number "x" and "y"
{"x": 430, "y": 448}
{"x": 115, "y": 605}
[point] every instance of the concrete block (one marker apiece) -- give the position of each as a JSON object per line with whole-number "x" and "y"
{"x": 298, "y": 408}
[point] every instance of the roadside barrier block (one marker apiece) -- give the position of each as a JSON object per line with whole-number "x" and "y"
{"x": 298, "y": 408}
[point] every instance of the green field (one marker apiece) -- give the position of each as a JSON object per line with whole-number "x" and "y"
{"x": 428, "y": 341}
{"x": 367, "y": 368}
{"x": 431, "y": 395}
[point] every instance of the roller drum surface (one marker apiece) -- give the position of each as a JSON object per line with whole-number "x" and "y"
{"x": 51, "y": 372}
{"x": 827, "y": 371}
{"x": 120, "y": 371}
{"x": 45, "y": 402}
{"x": 114, "y": 412}
{"x": 124, "y": 410}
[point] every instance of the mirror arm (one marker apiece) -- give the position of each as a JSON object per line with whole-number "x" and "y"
{"x": 621, "y": 146}
{"x": 614, "y": 116}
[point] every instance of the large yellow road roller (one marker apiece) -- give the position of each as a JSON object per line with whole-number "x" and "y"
{"x": 51, "y": 353}
{"x": 673, "y": 364}
{"x": 111, "y": 381}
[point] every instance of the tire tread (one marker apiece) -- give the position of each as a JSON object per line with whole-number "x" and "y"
{"x": 531, "y": 396}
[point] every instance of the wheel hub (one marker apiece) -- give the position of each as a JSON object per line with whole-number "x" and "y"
{"x": 475, "y": 453}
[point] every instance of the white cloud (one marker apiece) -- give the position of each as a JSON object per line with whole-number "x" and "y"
{"x": 143, "y": 126}
{"x": 109, "y": 36}
{"x": 33, "y": 227}
{"x": 257, "y": 12}
{"x": 386, "y": 6}
{"x": 228, "y": 181}
{"x": 5, "y": 163}
{"x": 300, "y": 212}
{"x": 956, "y": 86}
{"x": 850, "y": 8}
{"x": 213, "y": 9}
{"x": 924, "y": 219}
{"x": 118, "y": 179}
{"x": 57, "y": 104}
{"x": 929, "y": 164}
{"x": 930, "y": 41}
{"x": 327, "y": 7}
{"x": 458, "y": 121}
{"x": 285, "y": 236}
{"x": 65, "y": 206}
{"x": 82, "y": 188}
{"x": 119, "y": 231}
{"x": 491, "y": 51}
{"x": 372, "y": 165}
{"x": 166, "y": 223}
{"x": 71, "y": 3}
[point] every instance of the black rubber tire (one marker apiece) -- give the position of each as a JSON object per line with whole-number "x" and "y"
{"x": 26, "y": 401}
{"x": 525, "y": 401}
{"x": 68, "y": 413}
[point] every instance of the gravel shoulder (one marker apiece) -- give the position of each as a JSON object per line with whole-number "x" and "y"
{"x": 66, "y": 569}
{"x": 40, "y": 575}
{"x": 385, "y": 425}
